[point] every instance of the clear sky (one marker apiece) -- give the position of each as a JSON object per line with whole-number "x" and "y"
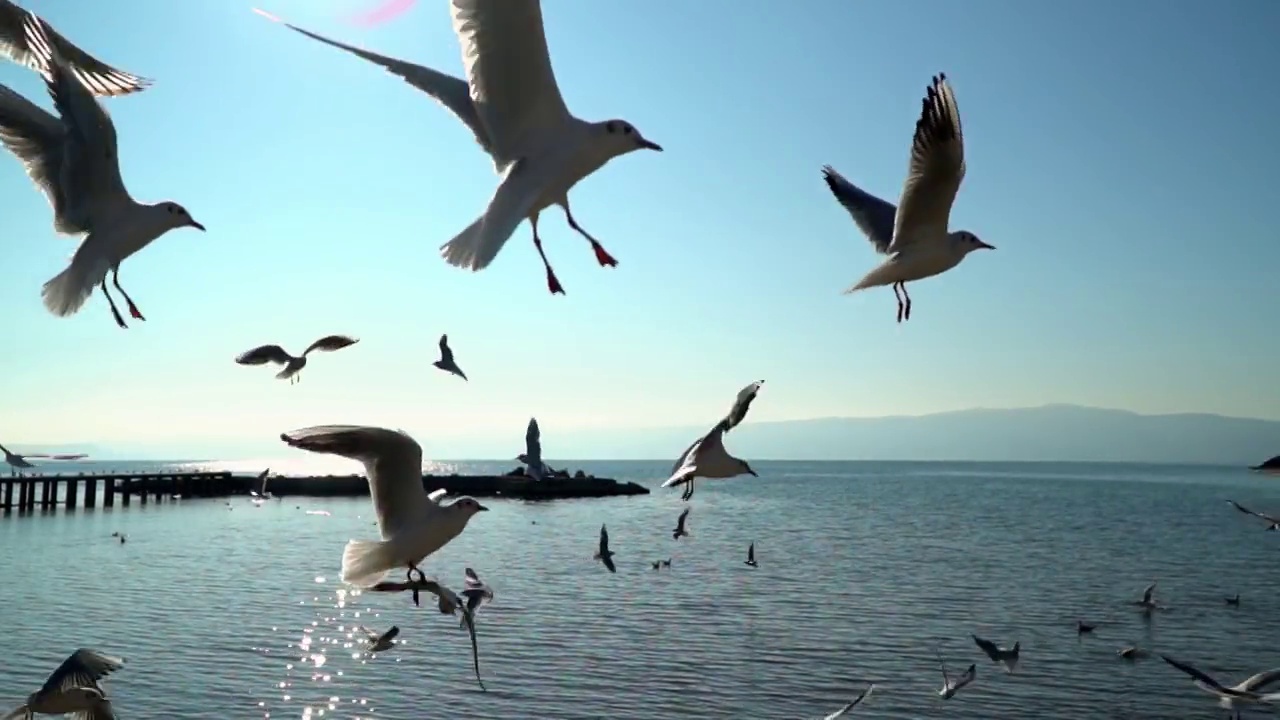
{"x": 1121, "y": 156}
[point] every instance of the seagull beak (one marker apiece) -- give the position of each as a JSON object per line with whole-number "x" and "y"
{"x": 986, "y": 246}
{"x": 752, "y": 473}
{"x": 647, "y": 145}
{"x": 196, "y": 225}
{"x": 481, "y": 508}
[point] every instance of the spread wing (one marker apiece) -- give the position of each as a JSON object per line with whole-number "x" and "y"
{"x": 604, "y": 541}
{"x": 1193, "y": 673}
{"x": 966, "y": 677}
{"x": 1146, "y": 594}
{"x": 329, "y": 343}
{"x": 873, "y": 216}
{"x": 264, "y": 354}
{"x": 84, "y": 668}
{"x": 852, "y": 704}
{"x": 470, "y": 580}
{"x": 741, "y": 405}
{"x": 446, "y": 355}
{"x": 533, "y": 442}
{"x": 99, "y": 77}
{"x": 936, "y": 168}
{"x": 987, "y": 647}
{"x": 1247, "y": 511}
{"x": 1261, "y": 682}
{"x": 392, "y": 461}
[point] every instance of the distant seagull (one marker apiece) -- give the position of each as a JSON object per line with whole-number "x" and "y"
{"x": 1009, "y": 657}
{"x": 261, "y": 481}
{"x": 706, "y": 457}
{"x": 20, "y": 461}
{"x": 379, "y": 642}
{"x": 511, "y": 103}
{"x": 414, "y": 524}
{"x": 680, "y": 531}
{"x": 950, "y": 685}
{"x": 1272, "y": 523}
{"x": 1148, "y": 603}
{"x": 120, "y": 536}
{"x": 851, "y": 704}
{"x": 604, "y": 554}
{"x": 74, "y": 688}
{"x": 277, "y": 355}
{"x": 446, "y": 362}
{"x": 657, "y": 564}
{"x": 1083, "y": 627}
{"x": 1252, "y": 691}
{"x": 532, "y": 455}
{"x": 475, "y": 591}
{"x": 751, "y": 555}
{"x": 666, "y": 563}
{"x": 73, "y": 160}
{"x": 914, "y": 235}
{"x": 1234, "y": 601}
{"x": 100, "y": 78}
{"x": 1133, "y": 653}
{"x": 449, "y": 603}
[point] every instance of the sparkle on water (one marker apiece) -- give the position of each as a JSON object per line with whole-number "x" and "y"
{"x": 864, "y": 569}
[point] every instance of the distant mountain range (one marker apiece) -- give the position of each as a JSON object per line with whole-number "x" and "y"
{"x": 1046, "y": 433}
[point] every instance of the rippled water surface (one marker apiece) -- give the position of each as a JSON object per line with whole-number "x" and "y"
{"x": 235, "y": 611}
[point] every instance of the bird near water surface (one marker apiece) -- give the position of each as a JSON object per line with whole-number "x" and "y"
{"x": 707, "y": 457}
{"x": 75, "y": 687}
{"x": 277, "y": 355}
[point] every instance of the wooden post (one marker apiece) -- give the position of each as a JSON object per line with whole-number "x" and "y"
{"x": 109, "y": 492}
{"x": 126, "y": 490}
{"x": 73, "y": 488}
{"x": 90, "y": 492}
{"x": 142, "y": 485}
{"x": 46, "y": 493}
{"x": 8, "y": 495}
{"x": 24, "y": 492}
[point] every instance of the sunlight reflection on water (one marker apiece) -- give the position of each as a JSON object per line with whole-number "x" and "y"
{"x": 302, "y": 465}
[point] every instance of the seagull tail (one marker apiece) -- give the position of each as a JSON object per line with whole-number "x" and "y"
{"x": 467, "y": 249}
{"x": 885, "y": 274}
{"x": 22, "y": 711}
{"x": 364, "y": 562}
{"x": 67, "y": 292}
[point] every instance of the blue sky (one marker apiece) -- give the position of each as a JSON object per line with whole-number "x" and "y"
{"x": 1122, "y": 160}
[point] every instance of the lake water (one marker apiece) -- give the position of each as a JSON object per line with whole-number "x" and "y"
{"x": 236, "y": 612}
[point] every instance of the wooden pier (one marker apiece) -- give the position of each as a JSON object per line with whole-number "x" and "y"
{"x": 26, "y": 493}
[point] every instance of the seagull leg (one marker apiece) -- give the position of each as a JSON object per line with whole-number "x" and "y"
{"x": 553, "y": 283}
{"x": 602, "y": 256}
{"x": 897, "y": 296}
{"x": 133, "y": 309}
{"x": 115, "y": 312}
{"x": 906, "y": 315}
{"x": 688, "y": 491}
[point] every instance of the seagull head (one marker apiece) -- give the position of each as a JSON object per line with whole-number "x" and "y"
{"x": 967, "y": 242}
{"x": 466, "y": 507}
{"x": 177, "y": 216}
{"x": 621, "y": 137}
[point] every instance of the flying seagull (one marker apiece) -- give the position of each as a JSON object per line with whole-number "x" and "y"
{"x": 680, "y": 530}
{"x": 532, "y": 455}
{"x": 950, "y": 685}
{"x": 261, "y": 482}
{"x": 1148, "y": 603}
{"x": 446, "y": 362}
{"x": 73, "y": 160}
{"x": 1133, "y": 653}
{"x": 449, "y": 603}
{"x": 17, "y": 461}
{"x": 1272, "y": 523}
{"x": 851, "y": 704}
{"x": 277, "y": 355}
{"x": 914, "y": 234}
{"x": 1009, "y": 657}
{"x": 751, "y": 555}
{"x": 97, "y": 76}
{"x": 74, "y": 688}
{"x": 512, "y": 104}
{"x": 475, "y": 592}
{"x": 414, "y": 524}
{"x": 379, "y": 642}
{"x": 706, "y": 457}
{"x": 1252, "y": 691}
{"x": 604, "y": 554}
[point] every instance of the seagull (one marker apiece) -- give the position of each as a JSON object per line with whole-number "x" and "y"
{"x": 381, "y": 641}
{"x": 414, "y": 524}
{"x": 1233, "y": 601}
{"x": 475, "y": 591}
{"x": 680, "y": 531}
{"x": 1272, "y": 523}
{"x": 74, "y": 688}
{"x": 1251, "y": 691}
{"x": 706, "y": 457}
{"x": 73, "y": 160}
{"x": 275, "y": 354}
{"x": 19, "y": 462}
{"x": 449, "y": 603}
{"x": 999, "y": 655}
{"x": 666, "y": 563}
{"x": 1132, "y": 653}
{"x": 851, "y": 704}
{"x": 261, "y": 492}
{"x": 914, "y": 235}
{"x": 100, "y": 78}
{"x": 604, "y": 554}
{"x": 950, "y": 685}
{"x": 511, "y": 103}
{"x": 532, "y": 455}
{"x": 120, "y": 536}
{"x": 657, "y": 564}
{"x": 446, "y": 362}
{"x": 751, "y": 555}
{"x": 1083, "y": 627}
{"x": 1148, "y": 603}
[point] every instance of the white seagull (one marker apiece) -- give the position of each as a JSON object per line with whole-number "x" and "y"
{"x": 446, "y": 361}
{"x": 379, "y": 642}
{"x": 277, "y": 355}
{"x": 706, "y": 457}
{"x": 73, "y": 160}
{"x": 74, "y": 688}
{"x": 851, "y": 704}
{"x": 1008, "y": 658}
{"x": 475, "y": 591}
{"x": 1273, "y": 523}
{"x": 1148, "y": 602}
{"x": 950, "y": 685}
{"x": 413, "y": 523}
{"x": 511, "y": 103}
{"x": 1252, "y": 691}
{"x": 100, "y": 78}
{"x": 19, "y": 462}
{"x": 262, "y": 479}
{"x": 532, "y": 455}
{"x": 914, "y": 235}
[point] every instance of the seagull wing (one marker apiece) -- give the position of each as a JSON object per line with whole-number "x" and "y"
{"x": 1199, "y": 676}
{"x": 451, "y": 92}
{"x": 84, "y": 668}
{"x": 1261, "y": 682}
{"x": 99, "y": 77}
{"x": 751, "y": 552}
{"x": 851, "y": 705}
{"x": 470, "y": 580}
{"x": 988, "y": 647}
{"x": 1255, "y": 513}
{"x": 966, "y": 677}
{"x": 741, "y": 405}
{"x": 708, "y": 446}
{"x": 604, "y": 541}
{"x": 873, "y": 216}
{"x": 943, "y": 663}
{"x": 533, "y": 444}
{"x": 264, "y": 354}
{"x": 39, "y": 140}
{"x": 329, "y": 343}
{"x": 508, "y": 69}
{"x": 392, "y": 461}
{"x": 936, "y": 169}
{"x": 446, "y": 355}
{"x": 1146, "y": 594}
{"x": 71, "y": 456}
{"x": 680, "y": 520}
{"x": 102, "y": 710}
